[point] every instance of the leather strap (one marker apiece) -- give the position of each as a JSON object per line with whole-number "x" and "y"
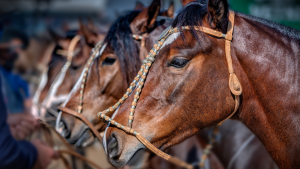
{"x": 71, "y": 49}
{"x": 234, "y": 83}
{"x": 85, "y": 120}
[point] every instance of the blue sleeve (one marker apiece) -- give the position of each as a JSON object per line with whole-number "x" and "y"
{"x": 13, "y": 154}
{"x": 23, "y": 84}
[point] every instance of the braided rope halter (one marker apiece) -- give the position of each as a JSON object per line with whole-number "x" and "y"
{"x": 138, "y": 82}
{"x": 234, "y": 84}
{"x": 95, "y": 52}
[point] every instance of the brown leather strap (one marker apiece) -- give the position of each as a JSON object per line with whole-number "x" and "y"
{"x": 234, "y": 83}
{"x": 72, "y": 46}
{"x": 81, "y": 117}
{"x": 163, "y": 155}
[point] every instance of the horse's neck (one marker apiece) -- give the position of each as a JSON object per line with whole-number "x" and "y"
{"x": 266, "y": 60}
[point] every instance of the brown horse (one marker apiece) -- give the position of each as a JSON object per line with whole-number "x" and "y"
{"x": 59, "y": 83}
{"x": 111, "y": 72}
{"x": 187, "y": 89}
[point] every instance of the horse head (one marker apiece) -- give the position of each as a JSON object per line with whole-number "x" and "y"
{"x": 57, "y": 82}
{"x": 186, "y": 88}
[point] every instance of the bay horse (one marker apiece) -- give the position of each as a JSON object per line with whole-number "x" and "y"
{"x": 61, "y": 84}
{"x": 187, "y": 90}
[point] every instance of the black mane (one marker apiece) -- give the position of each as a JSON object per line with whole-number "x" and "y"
{"x": 284, "y": 30}
{"x": 119, "y": 38}
{"x": 194, "y": 12}
{"x": 191, "y": 15}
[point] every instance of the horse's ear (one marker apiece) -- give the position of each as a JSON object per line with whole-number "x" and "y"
{"x": 91, "y": 25}
{"x": 171, "y": 9}
{"x": 88, "y": 34}
{"x": 185, "y": 2}
{"x": 146, "y": 18}
{"x": 139, "y": 6}
{"x": 218, "y": 14}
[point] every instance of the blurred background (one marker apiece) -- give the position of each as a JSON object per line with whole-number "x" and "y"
{"x": 35, "y": 17}
{"x": 43, "y": 21}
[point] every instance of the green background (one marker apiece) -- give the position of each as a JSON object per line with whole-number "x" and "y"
{"x": 286, "y": 12}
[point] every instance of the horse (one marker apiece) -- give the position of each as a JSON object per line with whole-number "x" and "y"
{"x": 55, "y": 86}
{"x": 187, "y": 87}
{"x": 120, "y": 58}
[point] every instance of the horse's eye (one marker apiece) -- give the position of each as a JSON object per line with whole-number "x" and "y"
{"x": 179, "y": 62}
{"x": 109, "y": 61}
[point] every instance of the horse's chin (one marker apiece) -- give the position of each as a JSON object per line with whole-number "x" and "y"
{"x": 135, "y": 158}
{"x": 84, "y": 142}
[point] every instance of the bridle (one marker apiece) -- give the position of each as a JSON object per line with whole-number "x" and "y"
{"x": 86, "y": 70}
{"x": 138, "y": 82}
{"x": 71, "y": 53}
{"x": 87, "y": 67}
{"x": 95, "y": 53}
{"x": 234, "y": 84}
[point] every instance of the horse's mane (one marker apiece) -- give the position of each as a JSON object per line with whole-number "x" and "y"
{"x": 193, "y": 14}
{"x": 285, "y": 30}
{"x": 119, "y": 38}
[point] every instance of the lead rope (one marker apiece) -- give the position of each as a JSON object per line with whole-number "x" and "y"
{"x": 234, "y": 85}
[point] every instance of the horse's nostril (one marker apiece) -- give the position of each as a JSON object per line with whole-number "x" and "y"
{"x": 112, "y": 147}
{"x": 65, "y": 131}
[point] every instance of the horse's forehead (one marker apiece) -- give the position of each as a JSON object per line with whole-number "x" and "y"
{"x": 108, "y": 49}
{"x": 170, "y": 39}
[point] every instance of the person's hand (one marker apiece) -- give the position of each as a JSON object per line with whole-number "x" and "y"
{"x": 45, "y": 154}
{"x": 21, "y": 125}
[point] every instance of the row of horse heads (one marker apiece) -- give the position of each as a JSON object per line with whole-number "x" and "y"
{"x": 187, "y": 87}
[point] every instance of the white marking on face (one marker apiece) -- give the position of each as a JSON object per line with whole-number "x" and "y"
{"x": 47, "y": 102}
{"x": 170, "y": 39}
{"x": 35, "y": 100}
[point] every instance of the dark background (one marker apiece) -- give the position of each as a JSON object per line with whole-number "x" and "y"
{"x": 35, "y": 16}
